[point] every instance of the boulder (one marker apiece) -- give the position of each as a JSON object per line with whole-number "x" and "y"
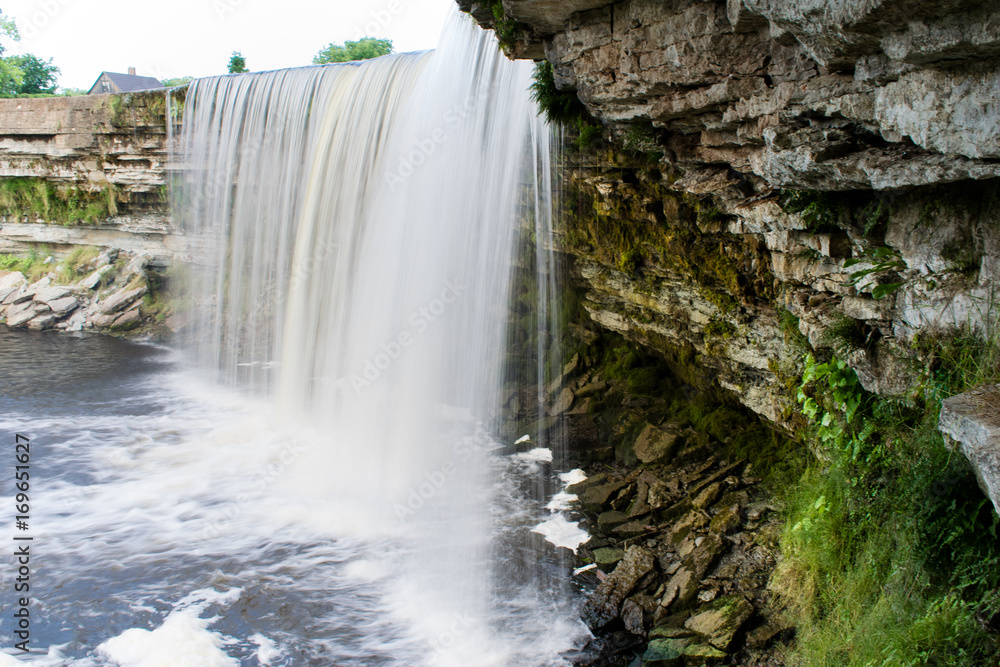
{"x": 972, "y": 420}
{"x": 63, "y": 306}
{"x": 604, "y": 605}
{"x": 22, "y": 295}
{"x": 562, "y": 403}
{"x": 607, "y": 557}
{"x": 41, "y": 322}
{"x": 656, "y": 444}
{"x": 721, "y": 620}
{"x": 707, "y": 496}
{"x": 121, "y": 299}
{"x": 595, "y": 498}
{"x": 131, "y": 318}
{"x": 49, "y": 294}
{"x": 608, "y": 520}
{"x": 20, "y": 318}
{"x": 11, "y": 280}
{"x": 726, "y": 521}
{"x": 94, "y": 279}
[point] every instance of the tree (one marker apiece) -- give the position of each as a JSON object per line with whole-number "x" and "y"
{"x": 179, "y": 81}
{"x": 237, "y": 64}
{"x": 10, "y": 74}
{"x": 363, "y": 49}
{"x": 38, "y": 76}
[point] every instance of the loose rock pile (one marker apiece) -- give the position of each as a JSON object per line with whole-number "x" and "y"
{"x": 684, "y": 535}
{"x": 108, "y": 298}
{"x": 684, "y": 551}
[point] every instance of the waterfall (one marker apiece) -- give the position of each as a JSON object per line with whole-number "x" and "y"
{"x": 365, "y": 218}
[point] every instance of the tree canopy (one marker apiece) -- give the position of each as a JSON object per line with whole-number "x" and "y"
{"x": 38, "y": 76}
{"x": 179, "y": 81}
{"x": 363, "y": 49}
{"x": 237, "y": 64}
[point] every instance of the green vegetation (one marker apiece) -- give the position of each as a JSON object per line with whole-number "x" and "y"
{"x": 845, "y": 335}
{"x": 508, "y": 31}
{"x": 237, "y": 63}
{"x": 77, "y": 264}
{"x": 24, "y": 75}
{"x": 179, "y": 81}
{"x": 146, "y": 109}
{"x": 33, "y": 266}
{"x": 819, "y": 210}
{"x": 36, "y": 198}
{"x": 563, "y": 107}
{"x": 882, "y": 260}
{"x": 890, "y": 553}
{"x": 363, "y": 49}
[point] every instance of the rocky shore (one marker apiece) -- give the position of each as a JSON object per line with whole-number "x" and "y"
{"x": 112, "y": 292}
{"x": 679, "y": 505}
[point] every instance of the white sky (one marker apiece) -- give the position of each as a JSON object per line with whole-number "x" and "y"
{"x": 174, "y": 38}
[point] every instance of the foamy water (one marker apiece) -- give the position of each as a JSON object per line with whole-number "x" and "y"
{"x": 169, "y": 531}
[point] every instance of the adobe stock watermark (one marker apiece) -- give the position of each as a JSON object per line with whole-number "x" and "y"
{"x": 447, "y": 639}
{"x": 45, "y": 12}
{"x": 435, "y": 481}
{"x": 259, "y": 483}
{"x": 420, "y": 321}
{"x": 454, "y": 118}
{"x": 224, "y": 7}
{"x": 379, "y": 20}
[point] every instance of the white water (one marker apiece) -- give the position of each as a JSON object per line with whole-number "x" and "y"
{"x": 339, "y": 500}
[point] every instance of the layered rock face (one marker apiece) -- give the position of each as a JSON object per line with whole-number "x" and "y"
{"x": 87, "y": 171}
{"x": 780, "y": 150}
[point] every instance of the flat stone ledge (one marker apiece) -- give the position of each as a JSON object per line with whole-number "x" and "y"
{"x": 972, "y": 421}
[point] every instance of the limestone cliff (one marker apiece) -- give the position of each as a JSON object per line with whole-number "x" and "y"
{"x": 832, "y": 161}
{"x": 87, "y": 171}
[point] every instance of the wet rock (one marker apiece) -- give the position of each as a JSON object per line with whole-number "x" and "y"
{"x": 683, "y": 585}
{"x": 665, "y": 652}
{"x": 663, "y": 493}
{"x": 726, "y": 521}
{"x": 19, "y": 317}
{"x": 623, "y": 499}
{"x": 562, "y": 403}
{"x": 607, "y": 557}
{"x": 640, "y": 505}
{"x": 708, "y": 496}
{"x": 632, "y": 617}
{"x": 669, "y": 632}
{"x": 627, "y": 531}
{"x": 721, "y": 620}
{"x": 567, "y": 370}
{"x": 766, "y": 633}
{"x": 595, "y": 498}
{"x": 608, "y": 520}
{"x": 604, "y": 605}
{"x": 693, "y": 520}
{"x": 655, "y": 444}
{"x": 130, "y": 319}
{"x": 593, "y": 480}
{"x": 41, "y": 322}
{"x": 121, "y": 299}
{"x": 592, "y": 388}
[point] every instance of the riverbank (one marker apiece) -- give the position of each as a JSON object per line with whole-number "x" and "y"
{"x": 91, "y": 289}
